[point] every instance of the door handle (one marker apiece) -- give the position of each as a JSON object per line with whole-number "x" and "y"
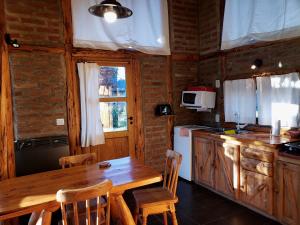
{"x": 130, "y": 119}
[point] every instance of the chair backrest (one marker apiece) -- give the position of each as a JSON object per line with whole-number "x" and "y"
{"x": 77, "y": 160}
{"x": 172, "y": 166}
{"x": 71, "y": 197}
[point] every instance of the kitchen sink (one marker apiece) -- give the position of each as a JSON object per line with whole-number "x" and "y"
{"x": 220, "y": 130}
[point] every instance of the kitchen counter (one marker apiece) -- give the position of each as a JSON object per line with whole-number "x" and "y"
{"x": 255, "y": 138}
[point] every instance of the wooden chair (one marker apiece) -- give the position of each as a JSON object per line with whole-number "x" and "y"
{"x": 160, "y": 200}
{"x": 69, "y": 198}
{"x": 77, "y": 160}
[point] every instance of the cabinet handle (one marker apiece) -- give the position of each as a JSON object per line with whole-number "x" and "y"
{"x": 261, "y": 187}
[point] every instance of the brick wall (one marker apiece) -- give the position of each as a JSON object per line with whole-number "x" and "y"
{"x": 209, "y": 26}
{"x": 35, "y": 22}
{"x": 154, "y": 90}
{"x": 238, "y": 63}
{"x": 39, "y": 94}
{"x": 184, "y": 75}
{"x": 209, "y": 72}
{"x": 184, "y": 23}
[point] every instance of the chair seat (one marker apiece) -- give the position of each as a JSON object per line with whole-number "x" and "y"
{"x": 153, "y": 196}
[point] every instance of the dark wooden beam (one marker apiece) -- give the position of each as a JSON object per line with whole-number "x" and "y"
{"x": 73, "y": 104}
{"x": 170, "y": 123}
{"x": 7, "y": 157}
{"x": 35, "y": 48}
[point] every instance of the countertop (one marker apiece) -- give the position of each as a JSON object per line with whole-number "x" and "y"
{"x": 255, "y": 138}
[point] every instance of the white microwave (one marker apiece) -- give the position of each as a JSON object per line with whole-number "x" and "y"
{"x": 198, "y": 99}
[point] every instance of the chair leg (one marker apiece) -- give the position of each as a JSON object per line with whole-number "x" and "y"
{"x": 136, "y": 215}
{"x": 144, "y": 220}
{"x": 174, "y": 219}
{"x": 165, "y": 218}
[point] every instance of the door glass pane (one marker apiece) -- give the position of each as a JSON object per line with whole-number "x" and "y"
{"x": 112, "y": 81}
{"x": 113, "y": 116}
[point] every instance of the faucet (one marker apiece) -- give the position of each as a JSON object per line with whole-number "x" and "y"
{"x": 239, "y": 126}
{"x": 237, "y": 119}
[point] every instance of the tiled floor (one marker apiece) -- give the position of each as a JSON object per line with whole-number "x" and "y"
{"x": 199, "y": 206}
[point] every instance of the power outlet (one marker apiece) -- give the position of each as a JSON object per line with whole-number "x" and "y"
{"x": 218, "y": 84}
{"x": 217, "y": 118}
{"x": 60, "y": 122}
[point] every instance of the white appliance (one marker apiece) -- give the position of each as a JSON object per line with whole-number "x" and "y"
{"x": 204, "y": 98}
{"x": 183, "y": 145}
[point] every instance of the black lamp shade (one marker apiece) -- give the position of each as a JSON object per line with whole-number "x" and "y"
{"x": 110, "y": 5}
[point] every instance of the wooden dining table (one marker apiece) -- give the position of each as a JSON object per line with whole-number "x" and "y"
{"x": 37, "y": 192}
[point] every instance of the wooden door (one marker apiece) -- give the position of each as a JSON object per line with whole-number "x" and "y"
{"x": 116, "y": 102}
{"x": 203, "y": 161}
{"x": 288, "y": 193}
{"x": 227, "y": 169}
{"x": 257, "y": 190}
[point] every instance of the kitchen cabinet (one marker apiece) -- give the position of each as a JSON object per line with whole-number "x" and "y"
{"x": 216, "y": 165}
{"x": 288, "y": 193}
{"x": 250, "y": 171}
{"x": 226, "y": 168}
{"x": 257, "y": 190}
{"x": 256, "y": 174}
{"x": 203, "y": 161}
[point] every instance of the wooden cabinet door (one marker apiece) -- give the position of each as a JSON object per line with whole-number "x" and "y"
{"x": 288, "y": 193}
{"x": 257, "y": 190}
{"x": 227, "y": 169}
{"x": 203, "y": 161}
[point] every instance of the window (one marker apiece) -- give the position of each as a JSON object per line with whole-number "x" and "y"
{"x": 147, "y": 30}
{"x": 240, "y": 101}
{"x": 275, "y": 98}
{"x": 250, "y": 21}
{"x": 112, "y": 98}
{"x": 279, "y": 99}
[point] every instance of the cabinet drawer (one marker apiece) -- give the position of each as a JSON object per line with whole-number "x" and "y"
{"x": 257, "y": 166}
{"x": 257, "y": 154}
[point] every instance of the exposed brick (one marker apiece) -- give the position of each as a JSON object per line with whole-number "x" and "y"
{"x": 39, "y": 83}
{"x": 35, "y": 22}
{"x": 184, "y": 25}
{"x": 154, "y": 85}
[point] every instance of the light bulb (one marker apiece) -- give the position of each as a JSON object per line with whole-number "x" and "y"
{"x": 253, "y": 67}
{"x": 110, "y": 16}
{"x": 280, "y": 65}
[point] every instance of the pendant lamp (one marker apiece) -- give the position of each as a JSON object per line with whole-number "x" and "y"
{"x": 110, "y": 10}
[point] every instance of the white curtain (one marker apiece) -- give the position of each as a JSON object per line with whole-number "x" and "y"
{"x": 91, "y": 125}
{"x": 240, "y": 101}
{"x": 249, "y": 21}
{"x": 279, "y": 99}
{"x": 147, "y": 30}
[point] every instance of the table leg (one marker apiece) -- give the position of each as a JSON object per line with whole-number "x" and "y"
{"x": 42, "y": 217}
{"x": 120, "y": 212}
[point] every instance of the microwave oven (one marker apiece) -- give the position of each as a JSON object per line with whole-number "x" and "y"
{"x": 199, "y": 99}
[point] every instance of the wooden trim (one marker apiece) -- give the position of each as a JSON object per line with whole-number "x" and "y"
{"x": 7, "y": 157}
{"x": 139, "y": 132}
{"x": 113, "y": 99}
{"x": 170, "y": 123}
{"x": 260, "y": 44}
{"x": 72, "y": 83}
{"x": 96, "y": 54}
{"x": 32, "y": 48}
{"x": 116, "y": 134}
{"x": 185, "y": 57}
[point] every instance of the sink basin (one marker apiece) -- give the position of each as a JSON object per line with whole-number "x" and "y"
{"x": 243, "y": 131}
{"x": 220, "y": 130}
